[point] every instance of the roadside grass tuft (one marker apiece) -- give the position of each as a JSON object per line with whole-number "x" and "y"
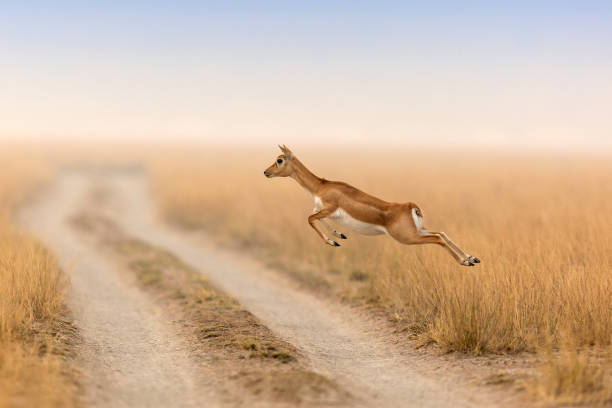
{"x": 36, "y": 333}
{"x": 573, "y": 377}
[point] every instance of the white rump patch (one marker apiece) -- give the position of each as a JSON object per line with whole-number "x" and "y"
{"x": 342, "y": 218}
{"x": 418, "y": 221}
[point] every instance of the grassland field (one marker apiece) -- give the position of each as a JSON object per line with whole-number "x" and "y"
{"x": 541, "y": 224}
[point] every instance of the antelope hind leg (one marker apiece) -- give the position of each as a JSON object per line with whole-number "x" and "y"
{"x": 332, "y": 230}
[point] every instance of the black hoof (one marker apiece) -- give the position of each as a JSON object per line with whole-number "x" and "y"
{"x": 336, "y": 244}
{"x": 343, "y": 236}
{"x": 476, "y": 260}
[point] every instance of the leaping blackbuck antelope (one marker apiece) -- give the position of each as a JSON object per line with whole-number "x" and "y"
{"x": 361, "y": 212}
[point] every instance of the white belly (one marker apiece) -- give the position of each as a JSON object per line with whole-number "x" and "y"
{"x": 341, "y": 217}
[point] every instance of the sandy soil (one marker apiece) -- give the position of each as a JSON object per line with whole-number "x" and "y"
{"x": 130, "y": 354}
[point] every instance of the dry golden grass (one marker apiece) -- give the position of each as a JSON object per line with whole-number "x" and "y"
{"x": 573, "y": 376}
{"x": 32, "y": 285}
{"x": 32, "y": 367}
{"x": 542, "y": 227}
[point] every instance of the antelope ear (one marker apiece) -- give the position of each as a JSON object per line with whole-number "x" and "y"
{"x": 288, "y": 153}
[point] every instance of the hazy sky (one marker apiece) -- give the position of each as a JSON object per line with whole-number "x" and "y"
{"x": 458, "y": 72}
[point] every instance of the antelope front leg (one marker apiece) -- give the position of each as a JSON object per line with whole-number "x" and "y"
{"x": 333, "y": 231}
{"x": 467, "y": 259}
{"x": 319, "y": 215}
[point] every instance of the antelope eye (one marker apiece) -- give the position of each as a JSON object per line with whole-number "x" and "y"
{"x": 279, "y": 161}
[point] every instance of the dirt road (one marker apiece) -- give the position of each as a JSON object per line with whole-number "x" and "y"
{"x": 130, "y": 354}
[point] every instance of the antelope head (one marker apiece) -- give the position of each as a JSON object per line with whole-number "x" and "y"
{"x": 283, "y": 165}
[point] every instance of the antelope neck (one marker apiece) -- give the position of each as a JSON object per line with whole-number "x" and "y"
{"x": 305, "y": 177}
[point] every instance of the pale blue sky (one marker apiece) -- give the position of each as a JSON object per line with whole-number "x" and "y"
{"x": 344, "y": 71}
